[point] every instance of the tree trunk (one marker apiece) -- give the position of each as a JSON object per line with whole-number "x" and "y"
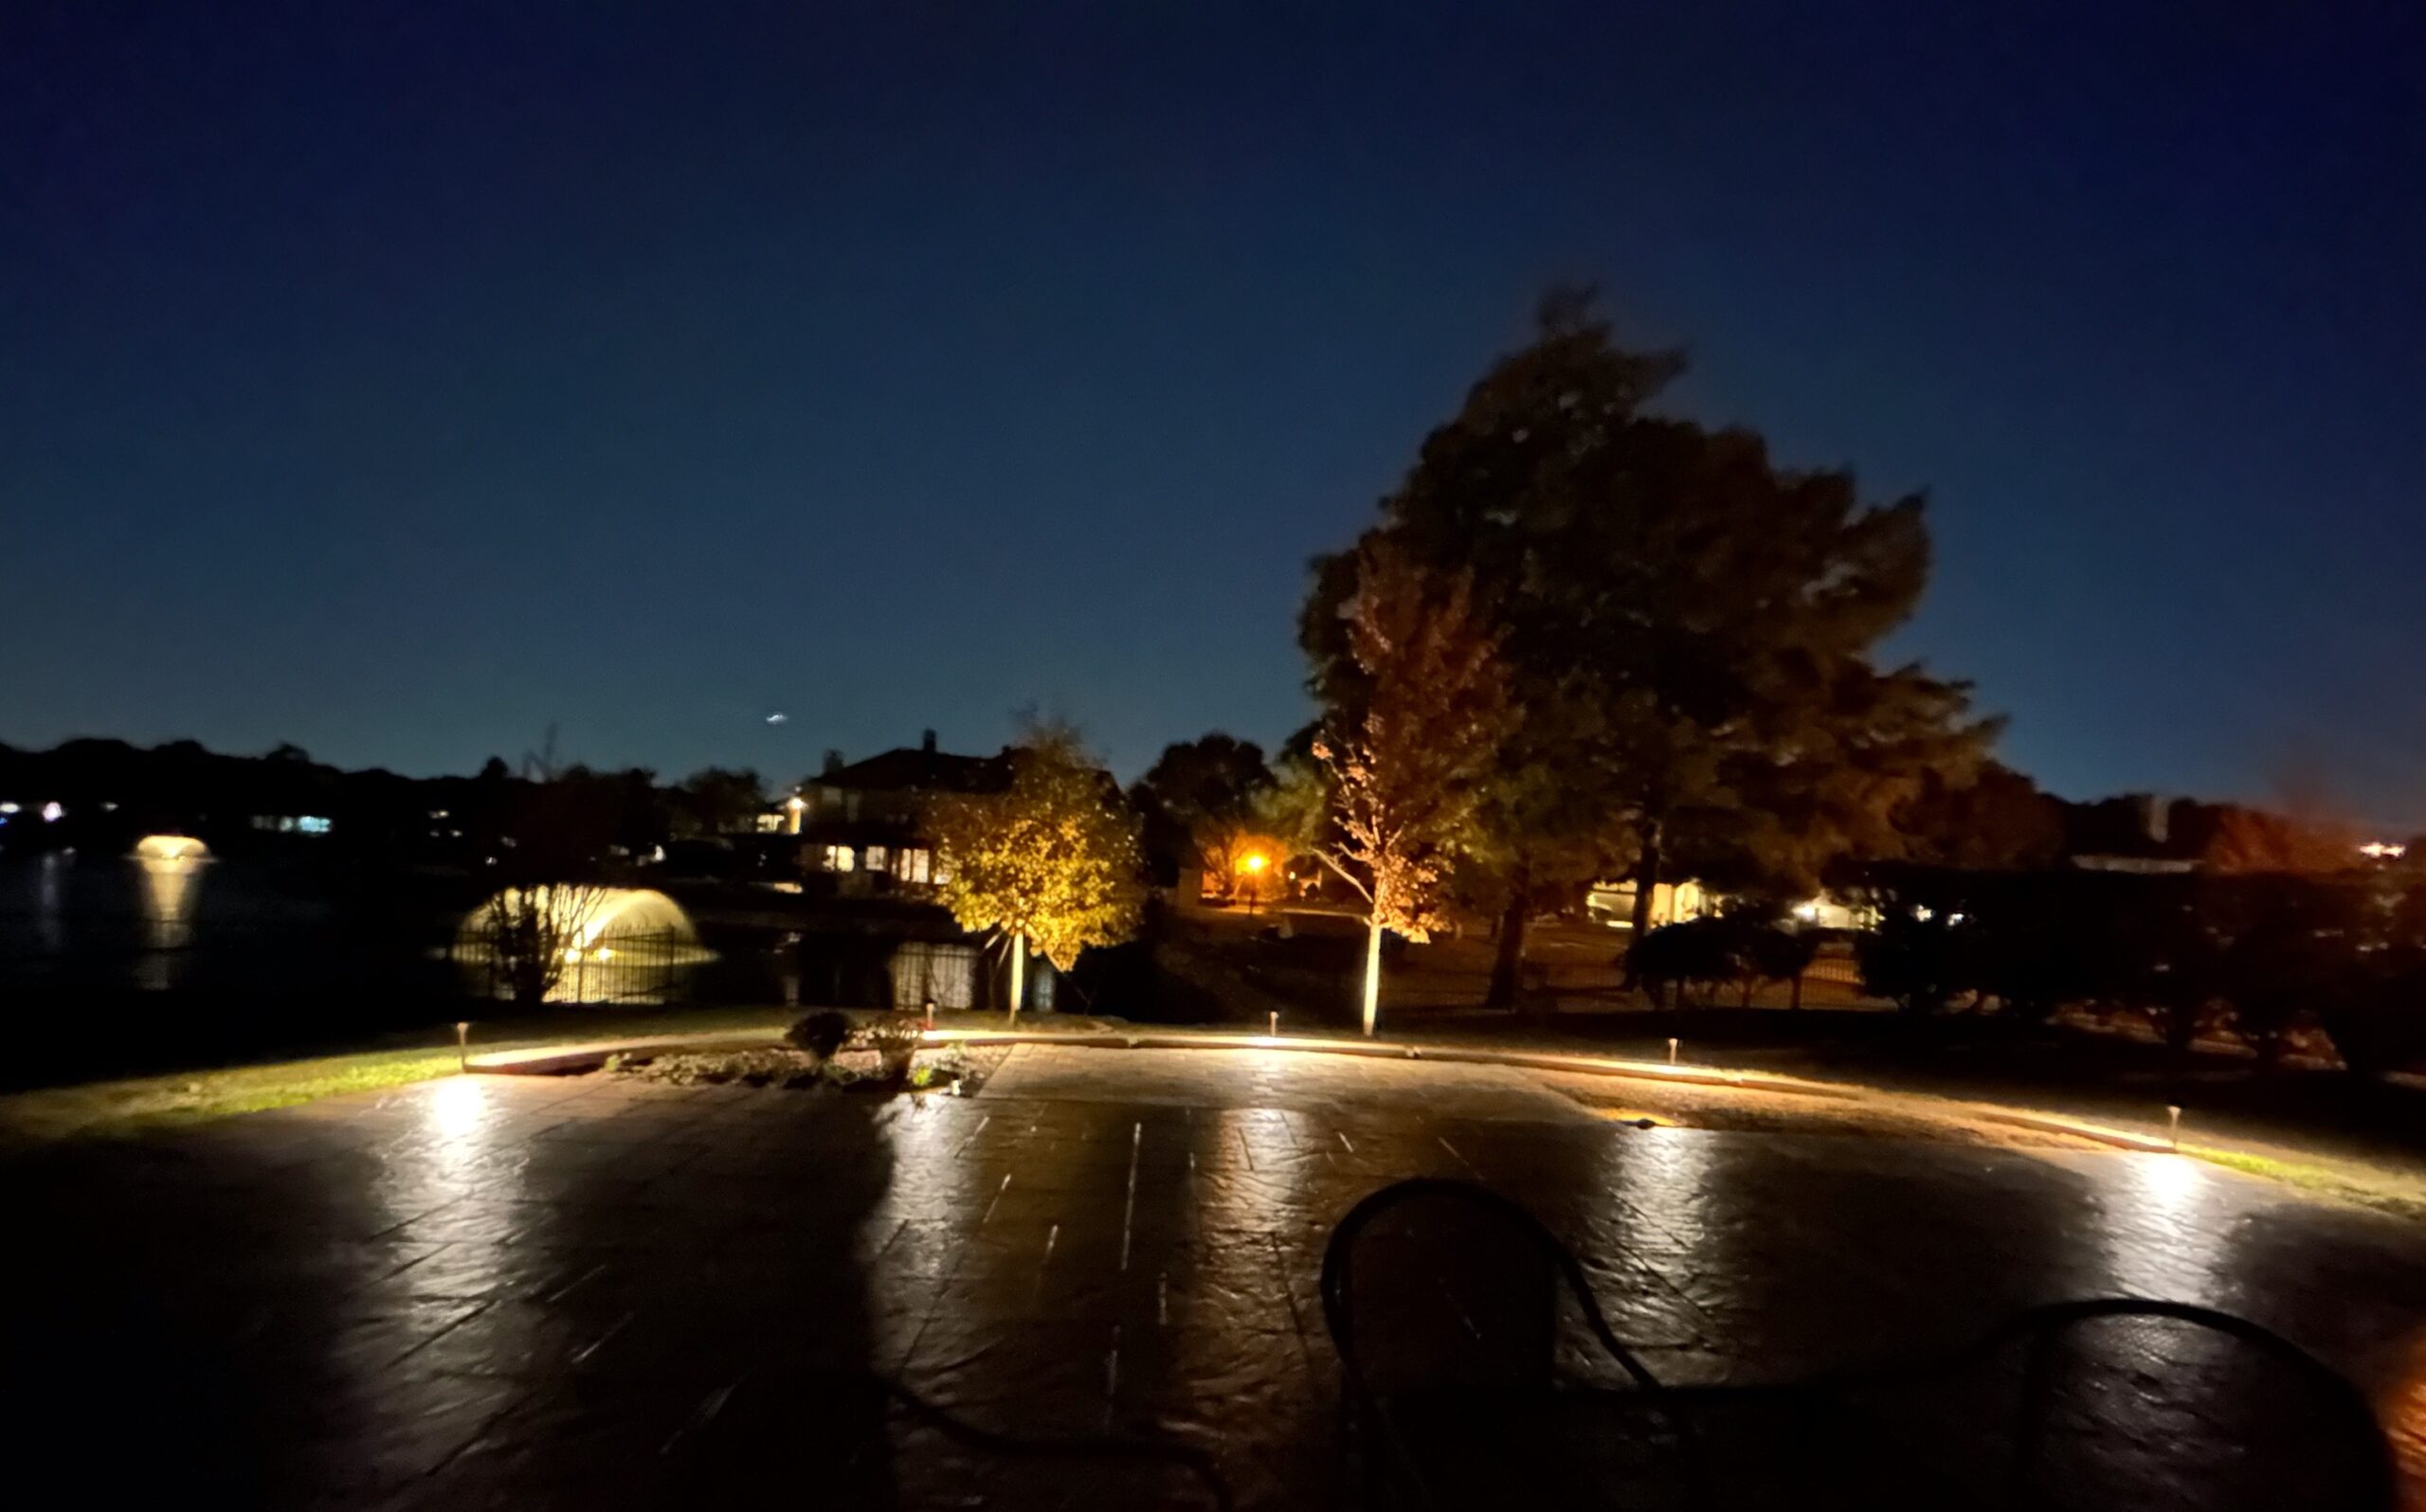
{"x": 1507, "y": 967}
{"x": 1646, "y": 884}
{"x": 1372, "y": 977}
{"x": 1018, "y": 975}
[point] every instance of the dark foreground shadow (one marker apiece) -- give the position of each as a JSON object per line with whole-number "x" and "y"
{"x": 466, "y": 1297}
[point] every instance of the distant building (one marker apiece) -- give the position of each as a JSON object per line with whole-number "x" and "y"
{"x": 1612, "y": 903}
{"x": 2135, "y": 831}
{"x": 866, "y": 822}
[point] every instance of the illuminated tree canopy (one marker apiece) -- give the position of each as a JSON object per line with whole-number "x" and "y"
{"x": 1406, "y": 742}
{"x": 1686, "y": 629}
{"x": 1053, "y": 860}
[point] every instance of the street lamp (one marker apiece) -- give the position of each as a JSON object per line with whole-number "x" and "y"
{"x": 1252, "y": 864}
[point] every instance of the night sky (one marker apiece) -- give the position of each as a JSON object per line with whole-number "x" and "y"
{"x": 396, "y": 380}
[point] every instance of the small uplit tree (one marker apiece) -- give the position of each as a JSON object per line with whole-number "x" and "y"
{"x": 530, "y": 935}
{"x": 1052, "y": 862}
{"x": 557, "y": 824}
{"x": 1406, "y": 742}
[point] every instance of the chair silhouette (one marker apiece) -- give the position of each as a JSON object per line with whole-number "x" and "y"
{"x": 1446, "y": 1301}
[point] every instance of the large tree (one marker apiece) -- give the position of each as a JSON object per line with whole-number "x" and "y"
{"x": 716, "y": 800}
{"x": 2236, "y": 838}
{"x": 1501, "y": 492}
{"x": 1997, "y": 821}
{"x": 1051, "y": 861}
{"x": 1686, "y": 630}
{"x": 1204, "y": 797}
{"x": 1405, "y": 741}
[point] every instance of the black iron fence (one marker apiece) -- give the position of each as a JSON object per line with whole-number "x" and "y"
{"x": 647, "y": 968}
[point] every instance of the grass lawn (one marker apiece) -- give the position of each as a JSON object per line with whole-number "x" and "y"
{"x": 133, "y": 1104}
{"x": 2393, "y": 1191}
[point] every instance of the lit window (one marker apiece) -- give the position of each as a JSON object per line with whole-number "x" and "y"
{"x": 312, "y": 824}
{"x": 915, "y": 864}
{"x": 840, "y": 858}
{"x": 876, "y": 858}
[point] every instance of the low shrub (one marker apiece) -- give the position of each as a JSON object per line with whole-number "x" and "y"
{"x": 820, "y": 1035}
{"x": 749, "y": 1068}
{"x": 1690, "y": 954}
{"x": 1745, "y": 949}
{"x": 895, "y": 1038}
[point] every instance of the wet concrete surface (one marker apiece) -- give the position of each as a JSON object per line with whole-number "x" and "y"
{"x": 508, "y": 1291}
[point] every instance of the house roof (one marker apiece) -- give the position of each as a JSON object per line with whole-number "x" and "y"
{"x": 916, "y": 769}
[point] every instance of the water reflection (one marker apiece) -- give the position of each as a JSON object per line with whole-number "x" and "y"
{"x": 171, "y": 876}
{"x": 457, "y": 1157}
{"x": 2404, "y": 1410}
{"x": 458, "y": 1106}
{"x": 2161, "y": 1222}
{"x": 49, "y": 908}
{"x": 1662, "y": 1177}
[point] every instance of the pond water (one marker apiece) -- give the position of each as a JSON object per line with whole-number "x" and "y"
{"x": 171, "y": 956}
{"x": 159, "y": 920}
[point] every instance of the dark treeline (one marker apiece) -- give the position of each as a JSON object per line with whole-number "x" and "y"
{"x": 2261, "y": 956}
{"x": 111, "y": 792}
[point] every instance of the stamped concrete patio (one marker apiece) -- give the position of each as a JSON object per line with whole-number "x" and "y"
{"x": 525, "y": 1292}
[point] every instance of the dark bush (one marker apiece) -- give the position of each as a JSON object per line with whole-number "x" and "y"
{"x": 2380, "y": 1025}
{"x": 1916, "y": 958}
{"x": 1774, "y": 952}
{"x": 1744, "y": 947}
{"x": 1694, "y": 953}
{"x": 2033, "y": 950}
{"x": 820, "y": 1034}
{"x": 2295, "y": 949}
{"x": 2261, "y": 954}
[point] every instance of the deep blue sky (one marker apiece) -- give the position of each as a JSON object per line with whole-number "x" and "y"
{"x": 396, "y": 380}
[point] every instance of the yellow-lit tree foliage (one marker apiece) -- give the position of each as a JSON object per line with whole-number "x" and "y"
{"x": 1406, "y": 747}
{"x": 1053, "y": 862}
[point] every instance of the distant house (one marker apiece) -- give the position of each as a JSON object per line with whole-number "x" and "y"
{"x": 866, "y": 822}
{"x": 1612, "y": 903}
{"x": 2142, "y": 833}
{"x": 2135, "y": 833}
